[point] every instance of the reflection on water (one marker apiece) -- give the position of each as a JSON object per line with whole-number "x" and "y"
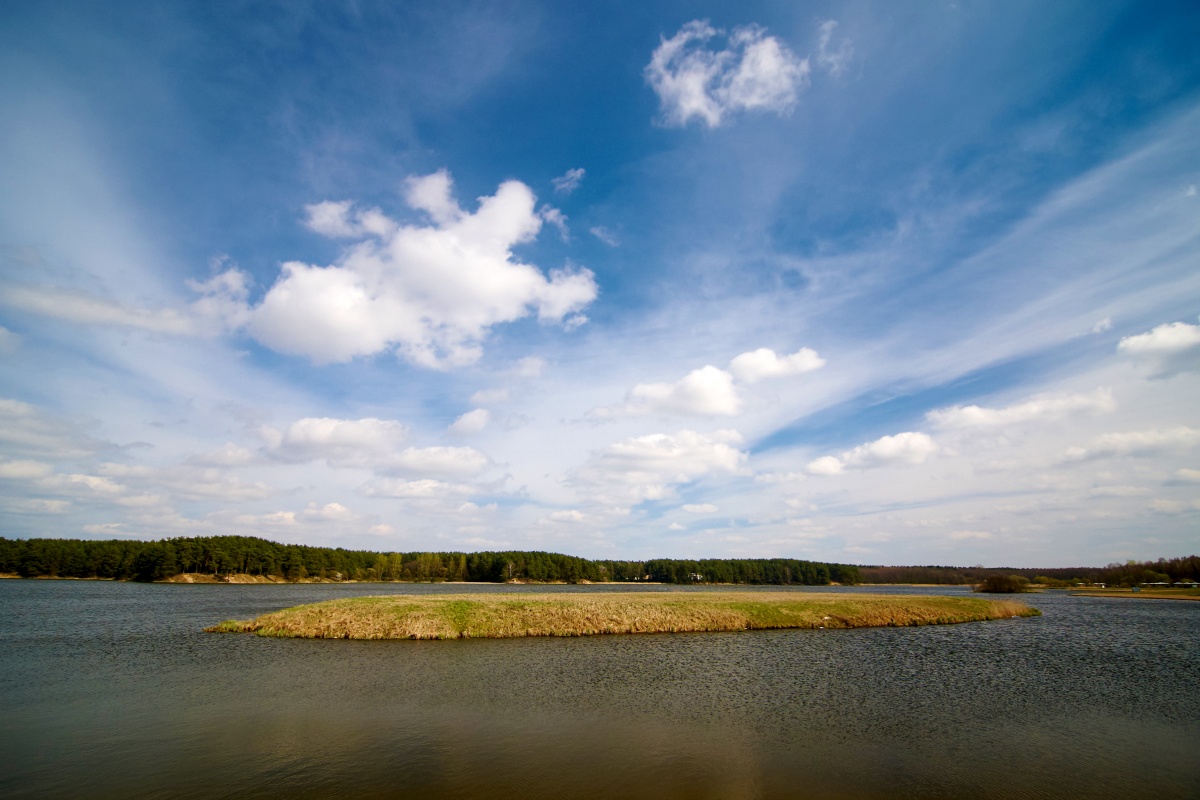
{"x": 111, "y": 690}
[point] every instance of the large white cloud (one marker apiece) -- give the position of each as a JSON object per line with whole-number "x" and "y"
{"x": 753, "y": 72}
{"x": 910, "y": 447}
{"x": 648, "y": 467}
{"x": 1168, "y": 349}
{"x": 704, "y": 391}
{"x": 430, "y": 291}
{"x": 763, "y": 363}
{"x": 341, "y": 442}
{"x": 1041, "y": 407}
{"x": 1164, "y": 339}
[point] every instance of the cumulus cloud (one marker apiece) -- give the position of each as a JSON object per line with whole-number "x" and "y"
{"x": 752, "y": 72}
{"x": 24, "y": 470}
{"x": 1138, "y": 443}
{"x": 707, "y": 391}
{"x": 488, "y": 397}
{"x": 1041, "y": 407}
{"x": 530, "y": 367}
{"x": 764, "y": 363}
{"x": 1165, "y": 339}
{"x": 569, "y": 181}
{"x": 699, "y": 508}
{"x": 833, "y": 61}
{"x": 422, "y": 489}
{"x": 1169, "y": 349}
{"x": 471, "y": 422}
{"x": 910, "y": 447}
{"x": 648, "y": 467}
{"x": 432, "y": 292}
{"x": 340, "y": 442}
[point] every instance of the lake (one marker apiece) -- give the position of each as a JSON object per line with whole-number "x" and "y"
{"x": 113, "y": 690}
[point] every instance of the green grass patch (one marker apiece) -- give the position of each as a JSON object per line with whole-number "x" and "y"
{"x": 587, "y": 614}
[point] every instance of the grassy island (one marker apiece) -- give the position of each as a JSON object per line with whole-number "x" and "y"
{"x": 586, "y": 614}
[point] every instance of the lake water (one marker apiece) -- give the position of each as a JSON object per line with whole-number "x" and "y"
{"x": 112, "y": 690}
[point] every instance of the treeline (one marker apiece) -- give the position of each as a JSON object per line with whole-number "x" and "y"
{"x": 226, "y": 555}
{"x": 1131, "y": 573}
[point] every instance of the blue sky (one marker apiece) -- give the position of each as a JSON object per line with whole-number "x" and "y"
{"x": 859, "y": 282}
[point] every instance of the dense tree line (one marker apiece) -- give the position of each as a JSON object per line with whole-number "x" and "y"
{"x": 225, "y": 555}
{"x": 1130, "y": 573}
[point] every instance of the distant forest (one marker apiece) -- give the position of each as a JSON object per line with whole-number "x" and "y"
{"x": 1130, "y": 573}
{"x": 226, "y": 555}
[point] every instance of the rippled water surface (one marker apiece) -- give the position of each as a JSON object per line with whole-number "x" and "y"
{"x": 112, "y": 690}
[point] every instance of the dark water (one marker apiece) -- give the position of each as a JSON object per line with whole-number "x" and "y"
{"x": 111, "y": 690}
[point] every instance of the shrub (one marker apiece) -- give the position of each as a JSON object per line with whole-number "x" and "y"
{"x": 1003, "y": 584}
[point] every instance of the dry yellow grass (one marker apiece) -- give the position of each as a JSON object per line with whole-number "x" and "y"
{"x": 587, "y": 614}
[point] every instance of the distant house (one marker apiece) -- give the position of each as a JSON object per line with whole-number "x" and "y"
{"x": 1188, "y": 584}
{"x": 1158, "y": 584}
{"x": 696, "y": 576}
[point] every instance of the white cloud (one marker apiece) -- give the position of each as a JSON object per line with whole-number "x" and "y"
{"x": 961, "y": 535}
{"x": 1190, "y": 475}
{"x": 752, "y": 72}
{"x": 432, "y": 292}
{"x": 573, "y": 515}
{"x": 707, "y": 391}
{"x": 330, "y": 512}
{"x": 1118, "y": 491}
{"x": 1041, "y": 407}
{"x": 472, "y": 421}
{"x": 604, "y": 235}
{"x": 675, "y": 526}
{"x": 446, "y": 461}
{"x": 764, "y": 363}
{"x": 77, "y": 307}
{"x": 530, "y": 367}
{"x": 1162, "y": 506}
{"x": 27, "y": 430}
{"x": 832, "y": 61}
{"x": 366, "y": 442}
{"x": 1169, "y": 349}
{"x": 228, "y": 455}
{"x": 1138, "y": 443}
{"x": 9, "y": 341}
{"x": 825, "y": 465}
{"x": 38, "y": 505}
{"x": 1163, "y": 340}
{"x": 1102, "y": 325}
{"x": 569, "y": 181}
{"x": 699, "y": 508}
{"x": 556, "y": 218}
{"x": 909, "y": 447}
{"x": 489, "y": 397}
{"x": 24, "y": 470}
{"x": 423, "y": 489}
{"x": 648, "y": 467}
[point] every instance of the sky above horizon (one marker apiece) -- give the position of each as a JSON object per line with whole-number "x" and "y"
{"x": 858, "y": 282}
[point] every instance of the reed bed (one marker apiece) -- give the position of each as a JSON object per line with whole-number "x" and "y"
{"x": 478, "y": 616}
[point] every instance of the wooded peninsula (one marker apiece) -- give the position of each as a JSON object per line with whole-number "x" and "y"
{"x": 243, "y": 555}
{"x": 230, "y": 558}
